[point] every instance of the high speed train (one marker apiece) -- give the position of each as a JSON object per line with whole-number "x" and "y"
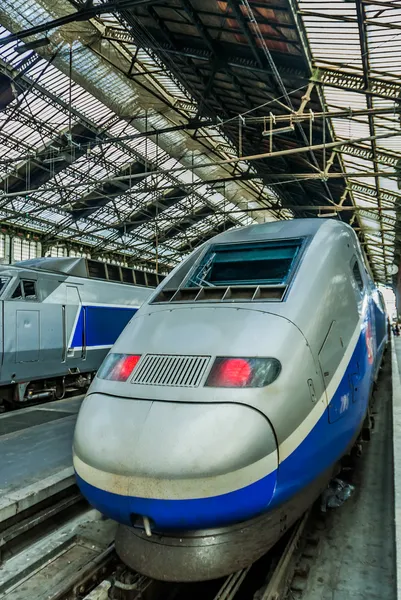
{"x": 223, "y": 410}
{"x": 58, "y": 320}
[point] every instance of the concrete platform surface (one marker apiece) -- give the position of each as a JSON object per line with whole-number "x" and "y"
{"x": 356, "y": 555}
{"x": 35, "y": 451}
{"x": 396, "y": 434}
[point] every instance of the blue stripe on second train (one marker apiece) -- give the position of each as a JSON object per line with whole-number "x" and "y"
{"x": 103, "y": 324}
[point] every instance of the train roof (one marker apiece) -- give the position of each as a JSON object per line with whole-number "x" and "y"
{"x": 67, "y": 265}
{"x": 91, "y": 269}
{"x": 275, "y": 230}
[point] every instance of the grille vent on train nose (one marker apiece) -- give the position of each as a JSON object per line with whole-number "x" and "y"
{"x": 164, "y": 369}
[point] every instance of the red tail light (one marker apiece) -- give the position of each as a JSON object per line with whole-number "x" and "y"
{"x": 234, "y": 372}
{"x": 243, "y": 372}
{"x": 118, "y": 367}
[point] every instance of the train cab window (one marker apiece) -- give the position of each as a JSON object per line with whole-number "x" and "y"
{"x": 357, "y": 276}
{"x": 29, "y": 289}
{"x": 3, "y": 283}
{"x": 257, "y": 263}
{"x": 26, "y": 289}
{"x": 17, "y": 293}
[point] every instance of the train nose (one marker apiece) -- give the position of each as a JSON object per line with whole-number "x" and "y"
{"x": 184, "y": 466}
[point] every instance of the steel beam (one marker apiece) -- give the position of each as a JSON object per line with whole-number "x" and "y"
{"x": 99, "y": 134}
{"x": 84, "y": 14}
{"x": 363, "y": 38}
{"x": 354, "y": 82}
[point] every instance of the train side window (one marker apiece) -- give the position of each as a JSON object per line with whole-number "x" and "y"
{"x": 29, "y": 289}
{"x": 17, "y": 293}
{"x": 357, "y": 275}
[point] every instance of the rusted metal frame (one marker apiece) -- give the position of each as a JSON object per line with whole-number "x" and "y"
{"x": 363, "y": 38}
{"x": 190, "y": 64}
{"x": 210, "y": 44}
{"x": 282, "y": 89}
{"x": 276, "y": 26}
{"x": 249, "y": 37}
{"x": 245, "y": 30}
{"x": 300, "y": 25}
{"x": 214, "y": 49}
{"x": 260, "y": 19}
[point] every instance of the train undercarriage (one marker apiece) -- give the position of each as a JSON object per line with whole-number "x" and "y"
{"x": 19, "y": 394}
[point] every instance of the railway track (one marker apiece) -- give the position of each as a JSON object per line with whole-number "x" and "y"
{"x": 65, "y": 551}
{"x": 62, "y": 549}
{"x": 278, "y": 567}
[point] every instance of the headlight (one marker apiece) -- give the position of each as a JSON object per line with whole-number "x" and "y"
{"x": 118, "y": 367}
{"x": 243, "y": 372}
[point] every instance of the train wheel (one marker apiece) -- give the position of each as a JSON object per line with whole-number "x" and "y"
{"x": 60, "y": 389}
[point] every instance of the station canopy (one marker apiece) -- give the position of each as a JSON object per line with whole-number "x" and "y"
{"x": 141, "y": 128}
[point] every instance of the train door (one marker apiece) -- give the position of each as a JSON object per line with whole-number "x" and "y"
{"x": 74, "y": 327}
{"x": 338, "y": 390}
{"x": 21, "y": 330}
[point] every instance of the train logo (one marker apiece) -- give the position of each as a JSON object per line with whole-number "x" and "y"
{"x": 369, "y": 343}
{"x": 344, "y": 403}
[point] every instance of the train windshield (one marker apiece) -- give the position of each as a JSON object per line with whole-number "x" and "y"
{"x": 258, "y": 263}
{"x": 3, "y": 283}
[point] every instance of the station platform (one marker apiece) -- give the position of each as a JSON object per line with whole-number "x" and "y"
{"x": 35, "y": 451}
{"x": 396, "y": 395}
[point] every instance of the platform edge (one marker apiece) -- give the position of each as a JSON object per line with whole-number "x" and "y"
{"x": 19, "y": 500}
{"x": 396, "y": 406}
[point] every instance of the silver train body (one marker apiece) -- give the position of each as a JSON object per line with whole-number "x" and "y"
{"x": 56, "y": 326}
{"x": 225, "y": 406}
